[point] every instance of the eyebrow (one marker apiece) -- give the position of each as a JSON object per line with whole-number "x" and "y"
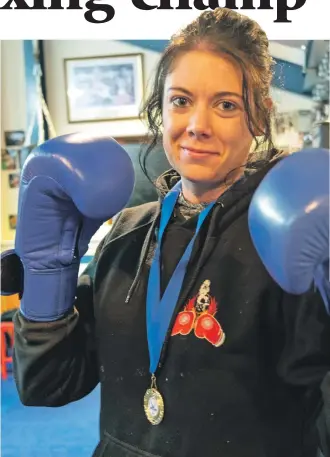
{"x": 217, "y": 94}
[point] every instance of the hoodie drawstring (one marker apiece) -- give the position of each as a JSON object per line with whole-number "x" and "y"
{"x": 144, "y": 254}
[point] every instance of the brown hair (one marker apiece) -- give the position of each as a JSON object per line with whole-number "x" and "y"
{"x": 225, "y": 31}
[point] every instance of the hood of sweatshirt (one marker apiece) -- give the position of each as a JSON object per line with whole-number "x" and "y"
{"x": 253, "y": 173}
{"x": 233, "y": 202}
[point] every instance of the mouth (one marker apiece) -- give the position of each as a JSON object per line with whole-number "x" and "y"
{"x": 196, "y": 152}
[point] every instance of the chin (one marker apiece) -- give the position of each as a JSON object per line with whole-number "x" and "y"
{"x": 199, "y": 174}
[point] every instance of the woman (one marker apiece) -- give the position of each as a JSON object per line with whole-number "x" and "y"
{"x": 227, "y": 364}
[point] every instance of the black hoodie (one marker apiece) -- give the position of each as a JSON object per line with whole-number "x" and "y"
{"x": 244, "y": 368}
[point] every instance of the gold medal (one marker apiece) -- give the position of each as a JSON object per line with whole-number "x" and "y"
{"x": 153, "y": 404}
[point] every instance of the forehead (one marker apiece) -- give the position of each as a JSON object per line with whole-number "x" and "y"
{"x": 201, "y": 70}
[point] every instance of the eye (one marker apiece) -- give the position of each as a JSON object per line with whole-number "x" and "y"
{"x": 180, "y": 101}
{"x": 227, "y": 106}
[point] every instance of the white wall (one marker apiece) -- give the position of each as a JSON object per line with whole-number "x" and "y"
{"x": 13, "y": 106}
{"x": 55, "y": 53}
{"x": 288, "y": 101}
{"x": 13, "y": 117}
{"x": 289, "y": 53}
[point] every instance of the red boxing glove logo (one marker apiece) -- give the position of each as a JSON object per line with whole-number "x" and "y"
{"x": 184, "y": 323}
{"x": 199, "y": 315}
{"x": 209, "y": 328}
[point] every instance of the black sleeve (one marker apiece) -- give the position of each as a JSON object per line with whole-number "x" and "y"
{"x": 55, "y": 363}
{"x": 305, "y": 361}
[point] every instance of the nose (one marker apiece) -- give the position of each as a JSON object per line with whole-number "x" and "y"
{"x": 199, "y": 125}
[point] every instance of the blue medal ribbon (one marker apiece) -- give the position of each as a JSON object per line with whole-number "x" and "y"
{"x": 160, "y": 311}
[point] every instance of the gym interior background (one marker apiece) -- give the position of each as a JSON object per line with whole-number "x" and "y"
{"x": 50, "y": 88}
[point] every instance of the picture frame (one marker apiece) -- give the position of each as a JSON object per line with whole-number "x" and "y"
{"x": 10, "y": 159}
{"x": 104, "y": 88}
{"x": 12, "y": 221}
{"x": 14, "y": 180}
{"x": 14, "y": 137}
{"x": 13, "y": 157}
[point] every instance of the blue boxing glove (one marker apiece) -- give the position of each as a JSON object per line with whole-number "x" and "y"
{"x": 70, "y": 186}
{"x": 289, "y": 222}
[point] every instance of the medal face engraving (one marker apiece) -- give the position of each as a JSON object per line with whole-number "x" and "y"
{"x": 153, "y": 406}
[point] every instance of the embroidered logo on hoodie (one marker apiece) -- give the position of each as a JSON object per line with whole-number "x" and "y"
{"x": 198, "y": 316}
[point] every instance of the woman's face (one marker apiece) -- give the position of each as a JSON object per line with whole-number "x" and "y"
{"x": 205, "y": 134}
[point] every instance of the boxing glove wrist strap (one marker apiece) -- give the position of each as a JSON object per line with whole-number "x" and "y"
{"x": 49, "y": 294}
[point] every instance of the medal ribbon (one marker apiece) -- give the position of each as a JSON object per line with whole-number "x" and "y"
{"x": 160, "y": 311}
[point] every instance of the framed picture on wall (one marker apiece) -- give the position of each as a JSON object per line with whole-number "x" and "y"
{"x": 10, "y": 159}
{"x": 104, "y": 88}
{"x": 12, "y": 219}
{"x": 14, "y": 138}
{"x": 14, "y": 180}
